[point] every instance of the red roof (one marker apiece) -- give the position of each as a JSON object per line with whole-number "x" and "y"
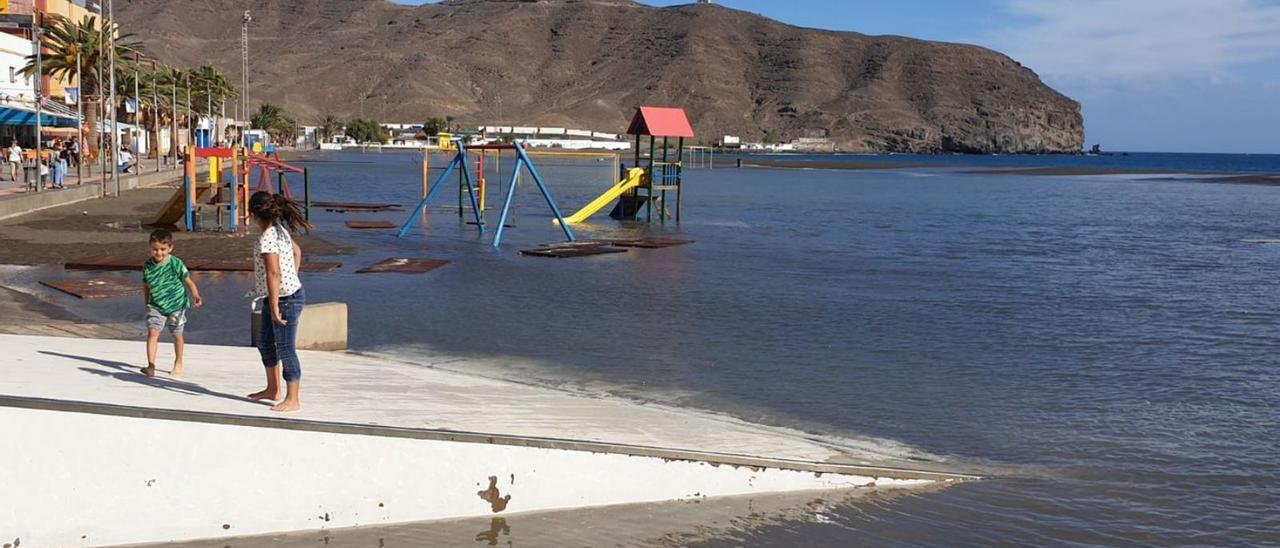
{"x": 660, "y": 122}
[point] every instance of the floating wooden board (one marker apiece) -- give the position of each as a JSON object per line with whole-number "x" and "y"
{"x": 574, "y": 249}
{"x": 97, "y": 288}
{"x": 403, "y": 266}
{"x": 652, "y": 243}
{"x": 356, "y": 206}
{"x": 369, "y": 225}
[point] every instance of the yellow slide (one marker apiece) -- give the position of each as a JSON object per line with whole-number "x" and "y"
{"x": 634, "y": 177}
{"x": 176, "y": 209}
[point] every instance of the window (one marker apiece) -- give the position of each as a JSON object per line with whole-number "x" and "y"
{"x": 13, "y": 75}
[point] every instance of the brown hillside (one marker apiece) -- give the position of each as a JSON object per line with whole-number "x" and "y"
{"x": 588, "y": 63}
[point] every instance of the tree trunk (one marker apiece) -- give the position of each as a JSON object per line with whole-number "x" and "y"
{"x": 91, "y": 120}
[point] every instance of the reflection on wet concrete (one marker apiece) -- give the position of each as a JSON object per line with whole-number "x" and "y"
{"x": 656, "y": 525}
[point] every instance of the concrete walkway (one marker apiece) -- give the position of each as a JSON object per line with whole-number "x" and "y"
{"x": 354, "y": 389}
{"x": 16, "y": 199}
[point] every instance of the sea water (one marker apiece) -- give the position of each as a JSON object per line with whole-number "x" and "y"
{"x": 1103, "y": 346}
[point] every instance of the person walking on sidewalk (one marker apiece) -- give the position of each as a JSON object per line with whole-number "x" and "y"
{"x": 14, "y": 155}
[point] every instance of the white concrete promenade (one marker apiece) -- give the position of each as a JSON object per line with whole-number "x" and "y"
{"x": 99, "y": 454}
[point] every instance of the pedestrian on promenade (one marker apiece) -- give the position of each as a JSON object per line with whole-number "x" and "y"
{"x": 169, "y": 292}
{"x": 58, "y": 168}
{"x": 74, "y": 148}
{"x": 14, "y": 155}
{"x": 127, "y": 162}
{"x": 276, "y": 258}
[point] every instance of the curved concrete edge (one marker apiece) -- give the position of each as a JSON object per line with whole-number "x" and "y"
{"x": 712, "y": 458}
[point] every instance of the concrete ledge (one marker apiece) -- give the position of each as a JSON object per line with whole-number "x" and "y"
{"x": 202, "y": 480}
{"x": 323, "y": 327}
{"x": 21, "y": 204}
{"x": 478, "y": 437}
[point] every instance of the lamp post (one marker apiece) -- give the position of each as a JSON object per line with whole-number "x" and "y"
{"x": 115, "y": 115}
{"x": 244, "y": 66}
{"x": 79, "y": 112}
{"x": 36, "y": 33}
{"x": 155, "y": 112}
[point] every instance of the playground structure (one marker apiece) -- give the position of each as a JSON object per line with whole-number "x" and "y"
{"x": 475, "y": 195}
{"x": 228, "y": 192}
{"x": 641, "y": 186}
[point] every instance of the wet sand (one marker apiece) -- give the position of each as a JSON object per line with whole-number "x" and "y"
{"x": 727, "y": 520}
{"x": 115, "y": 226}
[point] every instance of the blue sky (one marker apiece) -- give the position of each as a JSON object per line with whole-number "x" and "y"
{"x": 1153, "y": 75}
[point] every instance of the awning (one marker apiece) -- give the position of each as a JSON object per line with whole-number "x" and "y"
{"x": 11, "y": 116}
{"x": 58, "y": 131}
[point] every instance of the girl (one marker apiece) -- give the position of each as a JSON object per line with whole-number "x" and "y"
{"x": 275, "y": 267}
{"x": 58, "y": 168}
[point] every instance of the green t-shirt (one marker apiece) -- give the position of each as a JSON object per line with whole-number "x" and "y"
{"x": 168, "y": 294}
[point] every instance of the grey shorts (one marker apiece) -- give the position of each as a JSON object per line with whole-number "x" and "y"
{"x": 174, "y": 322}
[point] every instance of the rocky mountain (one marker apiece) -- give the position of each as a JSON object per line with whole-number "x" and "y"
{"x": 588, "y": 63}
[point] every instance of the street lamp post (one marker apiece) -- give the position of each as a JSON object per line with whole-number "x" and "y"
{"x": 36, "y": 34}
{"x": 115, "y": 115}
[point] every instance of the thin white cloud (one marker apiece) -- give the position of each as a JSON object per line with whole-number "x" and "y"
{"x": 1140, "y": 40}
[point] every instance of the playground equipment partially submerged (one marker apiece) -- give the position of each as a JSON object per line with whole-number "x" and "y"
{"x": 641, "y": 186}
{"x": 460, "y": 162}
{"x": 228, "y": 194}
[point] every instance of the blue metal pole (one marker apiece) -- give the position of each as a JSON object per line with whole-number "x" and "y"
{"x": 186, "y": 195}
{"x": 234, "y": 196}
{"x": 545, "y": 193}
{"x": 506, "y": 207}
{"x": 471, "y": 190}
{"x": 404, "y": 230}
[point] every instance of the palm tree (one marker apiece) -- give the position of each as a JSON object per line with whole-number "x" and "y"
{"x": 64, "y": 39}
{"x": 329, "y": 125}
{"x": 271, "y": 118}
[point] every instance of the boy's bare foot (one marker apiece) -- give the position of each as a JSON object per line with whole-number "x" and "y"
{"x": 149, "y": 371}
{"x": 177, "y": 370}
{"x": 286, "y": 407}
{"x": 266, "y": 394}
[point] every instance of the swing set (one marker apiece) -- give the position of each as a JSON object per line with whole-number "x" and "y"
{"x": 460, "y": 162}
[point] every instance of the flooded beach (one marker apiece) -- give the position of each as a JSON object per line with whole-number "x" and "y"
{"x": 1119, "y": 328}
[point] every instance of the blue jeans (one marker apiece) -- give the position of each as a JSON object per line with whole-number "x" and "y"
{"x": 278, "y": 343}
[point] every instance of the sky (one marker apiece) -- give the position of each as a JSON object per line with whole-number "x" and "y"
{"x": 1152, "y": 75}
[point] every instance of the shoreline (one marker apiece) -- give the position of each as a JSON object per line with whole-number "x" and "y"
{"x": 972, "y": 169}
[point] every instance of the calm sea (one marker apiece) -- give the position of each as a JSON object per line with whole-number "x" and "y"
{"x": 1105, "y": 346}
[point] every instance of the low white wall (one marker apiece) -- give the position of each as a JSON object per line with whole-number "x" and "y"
{"x": 81, "y": 479}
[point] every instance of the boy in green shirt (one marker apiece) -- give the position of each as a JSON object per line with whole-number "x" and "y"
{"x": 167, "y": 284}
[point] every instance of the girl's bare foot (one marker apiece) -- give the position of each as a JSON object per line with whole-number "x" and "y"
{"x": 149, "y": 371}
{"x": 177, "y": 370}
{"x": 286, "y": 406}
{"x": 267, "y": 394}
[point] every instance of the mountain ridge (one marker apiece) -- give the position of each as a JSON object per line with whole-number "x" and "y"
{"x": 588, "y": 63}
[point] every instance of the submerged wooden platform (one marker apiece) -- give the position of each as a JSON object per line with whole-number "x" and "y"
{"x": 565, "y": 250}
{"x": 369, "y": 225}
{"x": 587, "y": 248}
{"x": 134, "y": 263}
{"x": 403, "y": 266}
{"x": 342, "y": 207}
{"x": 98, "y": 288}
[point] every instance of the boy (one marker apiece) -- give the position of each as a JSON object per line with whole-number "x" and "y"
{"x": 165, "y": 277}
